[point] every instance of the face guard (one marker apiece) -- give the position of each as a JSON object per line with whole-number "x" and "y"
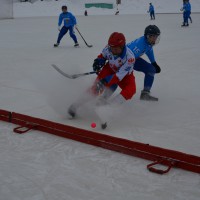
{"x": 153, "y": 39}
{"x": 152, "y": 34}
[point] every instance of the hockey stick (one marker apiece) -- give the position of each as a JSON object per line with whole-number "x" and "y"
{"x": 83, "y": 38}
{"x": 71, "y": 76}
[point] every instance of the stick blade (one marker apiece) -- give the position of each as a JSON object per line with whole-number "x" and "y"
{"x": 90, "y": 45}
{"x": 62, "y": 73}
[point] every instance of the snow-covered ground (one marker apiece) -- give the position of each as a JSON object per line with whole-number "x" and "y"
{"x": 38, "y": 166}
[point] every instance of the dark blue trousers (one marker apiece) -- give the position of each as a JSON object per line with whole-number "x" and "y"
{"x": 64, "y": 30}
{"x": 186, "y": 16}
{"x": 149, "y": 71}
{"x": 152, "y": 15}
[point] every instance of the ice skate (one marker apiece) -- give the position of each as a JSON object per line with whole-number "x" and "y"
{"x": 76, "y": 44}
{"x": 104, "y": 125}
{"x": 145, "y": 95}
{"x": 72, "y": 111}
{"x": 56, "y": 45}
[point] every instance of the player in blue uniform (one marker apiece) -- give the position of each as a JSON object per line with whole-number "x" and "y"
{"x": 69, "y": 21}
{"x": 186, "y": 12}
{"x": 140, "y": 46}
{"x": 151, "y": 11}
{"x": 144, "y": 45}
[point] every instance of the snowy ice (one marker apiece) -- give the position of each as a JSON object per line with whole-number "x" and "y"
{"x": 40, "y": 166}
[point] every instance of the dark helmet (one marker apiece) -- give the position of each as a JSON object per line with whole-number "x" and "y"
{"x": 151, "y": 30}
{"x": 64, "y": 7}
{"x": 117, "y": 40}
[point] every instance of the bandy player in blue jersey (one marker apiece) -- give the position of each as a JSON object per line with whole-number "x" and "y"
{"x": 69, "y": 21}
{"x": 144, "y": 45}
{"x": 140, "y": 46}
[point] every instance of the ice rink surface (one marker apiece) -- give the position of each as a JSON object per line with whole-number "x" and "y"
{"x": 38, "y": 166}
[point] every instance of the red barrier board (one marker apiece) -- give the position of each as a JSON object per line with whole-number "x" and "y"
{"x": 158, "y": 155}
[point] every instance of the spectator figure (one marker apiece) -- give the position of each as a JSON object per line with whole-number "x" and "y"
{"x": 117, "y": 12}
{"x": 85, "y": 13}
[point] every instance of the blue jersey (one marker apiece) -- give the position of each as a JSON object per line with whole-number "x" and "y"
{"x": 186, "y": 7}
{"x": 140, "y": 46}
{"x": 67, "y": 18}
{"x": 151, "y": 8}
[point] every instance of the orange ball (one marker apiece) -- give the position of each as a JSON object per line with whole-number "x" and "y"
{"x": 93, "y": 125}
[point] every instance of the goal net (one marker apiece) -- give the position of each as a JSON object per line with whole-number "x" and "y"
{"x": 6, "y": 9}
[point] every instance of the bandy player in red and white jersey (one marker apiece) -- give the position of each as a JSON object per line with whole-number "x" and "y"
{"x": 116, "y": 62}
{"x": 113, "y": 66}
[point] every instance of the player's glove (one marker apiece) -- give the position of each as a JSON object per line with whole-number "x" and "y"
{"x": 76, "y": 26}
{"x": 157, "y": 67}
{"x": 59, "y": 28}
{"x": 98, "y": 64}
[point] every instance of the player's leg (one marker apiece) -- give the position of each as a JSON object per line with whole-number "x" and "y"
{"x": 73, "y": 36}
{"x": 149, "y": 71}
{"x": 62, "y": 32}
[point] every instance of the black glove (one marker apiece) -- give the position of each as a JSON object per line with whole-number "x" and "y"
{"x": 157, "y": 67}
{"x": 98, "y": 64}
